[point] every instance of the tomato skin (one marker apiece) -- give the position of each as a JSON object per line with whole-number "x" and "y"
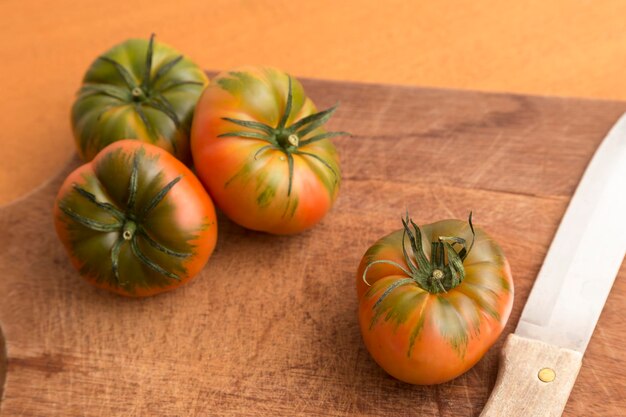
{"x": 253, "y": 188}
{"x": 428, "y": 338}
{"x": 117, "y": 101}
{"x": 183, "y": 221}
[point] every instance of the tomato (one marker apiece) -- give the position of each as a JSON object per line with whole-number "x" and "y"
{"x": 135, "y": 220}
{"x": 138, "y": 89}
{"x": 259, "y": 147}
{"x": 430, "y": 305}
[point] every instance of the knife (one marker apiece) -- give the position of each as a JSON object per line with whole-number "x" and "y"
{"x": 541, "y": 359}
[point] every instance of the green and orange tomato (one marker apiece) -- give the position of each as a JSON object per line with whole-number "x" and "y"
{"x": 433, "y": 299}
{"x": 141, "y": 90}
{"x": 135, "y": 220}
{"x": 259, "y": 147}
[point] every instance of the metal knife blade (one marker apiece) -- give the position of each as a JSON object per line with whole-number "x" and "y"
{"x": 541, "y": 360}
{"x": 585, "y": 255}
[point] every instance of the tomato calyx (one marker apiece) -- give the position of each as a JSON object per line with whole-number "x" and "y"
{"x": 441, "y": 273}
{"x": 128, "y": 224}
{"x": 145, "y": 93}
{"x": 288, "y": 139}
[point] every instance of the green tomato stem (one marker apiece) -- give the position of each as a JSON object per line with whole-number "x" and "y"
{"x": 138, "y": 94}
{"x": 128, "y": 232}
{"x": 293, "y": 139}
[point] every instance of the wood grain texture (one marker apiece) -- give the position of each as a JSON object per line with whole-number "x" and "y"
{"x": 519, "y": 392}
{"x": 270, "y": 327}
{"x": 562, "y": 47}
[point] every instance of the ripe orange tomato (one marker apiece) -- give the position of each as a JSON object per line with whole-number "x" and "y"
{"x": 135, "y": 220}
{"x": 259, "y": 147}
{"x": 430, "y": 305}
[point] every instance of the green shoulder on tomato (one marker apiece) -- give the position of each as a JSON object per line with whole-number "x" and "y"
{"x": 260, "y": 148}
{"x": 139, "y": 89}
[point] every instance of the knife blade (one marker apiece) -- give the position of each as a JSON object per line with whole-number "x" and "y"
{"x": 541, "y": 359}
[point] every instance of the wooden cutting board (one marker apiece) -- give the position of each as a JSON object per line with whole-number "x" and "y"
{"x": 270, "y": 328}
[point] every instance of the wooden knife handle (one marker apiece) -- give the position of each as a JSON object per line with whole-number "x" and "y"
{"x": 534, "y": 380}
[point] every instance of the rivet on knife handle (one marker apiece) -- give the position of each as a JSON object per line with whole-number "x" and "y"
{"x": 534, "y": 380}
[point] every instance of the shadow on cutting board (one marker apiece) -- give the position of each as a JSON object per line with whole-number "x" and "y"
{"x": 3, "y": 365}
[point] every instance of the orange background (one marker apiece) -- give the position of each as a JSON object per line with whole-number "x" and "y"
{"x": 569, "y": 48}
